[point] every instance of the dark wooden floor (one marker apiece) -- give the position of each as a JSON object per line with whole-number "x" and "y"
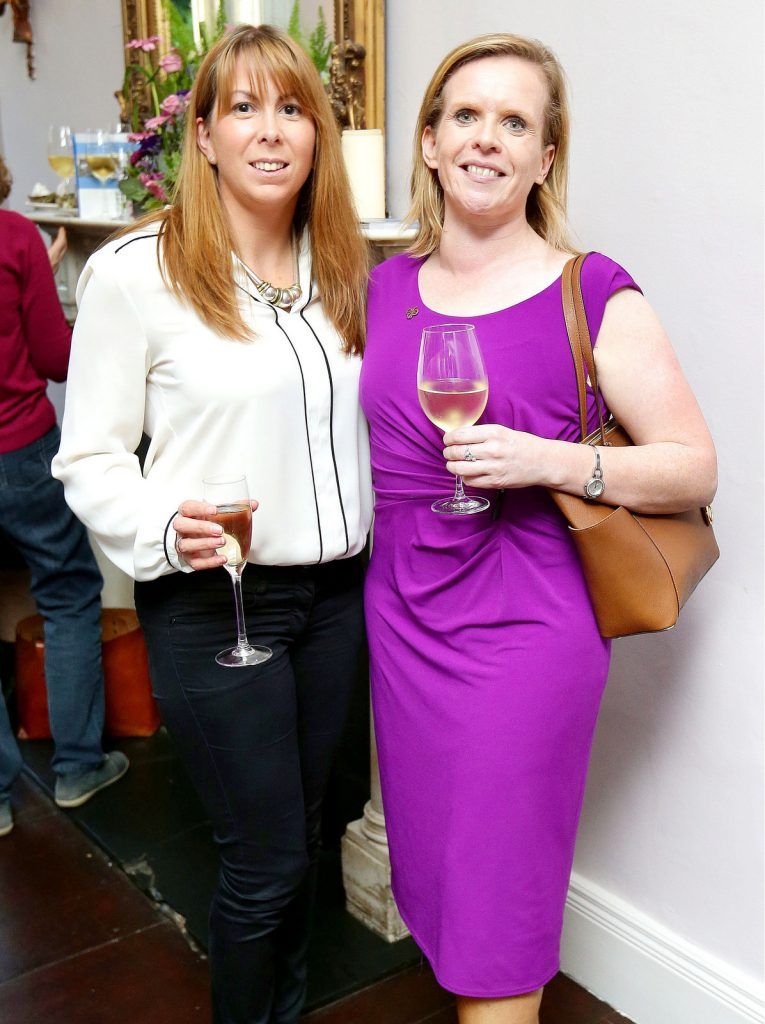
{"x": 80, "y": 944}
{"x": 414, "y": 997}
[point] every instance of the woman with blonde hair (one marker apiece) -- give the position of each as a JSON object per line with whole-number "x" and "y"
{"x": 487, "y": 664}
{"x": 229, "y": 328}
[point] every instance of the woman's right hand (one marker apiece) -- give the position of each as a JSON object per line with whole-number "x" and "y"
{"x": 197, "y": 539}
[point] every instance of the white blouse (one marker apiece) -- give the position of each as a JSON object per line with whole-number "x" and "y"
{"x": 282, "y": 409}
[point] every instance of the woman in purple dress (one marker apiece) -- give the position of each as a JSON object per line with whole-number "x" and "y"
{"x": 487, "y": 665}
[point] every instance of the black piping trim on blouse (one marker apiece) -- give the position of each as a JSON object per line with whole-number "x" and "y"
{"x": 307, "y": 433}
{"x": 331, "y": 416}
{"x": 138, "y": 238}
{"x": 164, "y": 540}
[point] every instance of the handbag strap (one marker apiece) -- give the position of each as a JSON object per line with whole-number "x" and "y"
{"x": 578, "y": 332}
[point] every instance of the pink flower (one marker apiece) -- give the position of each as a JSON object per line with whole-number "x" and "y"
{"x": 171, "y": 62}
{"x": 146, "y": 45}
{"x": 156, "y": 190}
{"x": 139, "y": 136}
{"x": 152, "y": 123}
{"x": 171, "y": 104}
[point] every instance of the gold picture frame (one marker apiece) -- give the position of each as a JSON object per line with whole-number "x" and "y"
{"x": 358, "y": 58}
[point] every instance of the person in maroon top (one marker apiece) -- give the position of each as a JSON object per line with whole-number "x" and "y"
{"x": 66, "y": 582}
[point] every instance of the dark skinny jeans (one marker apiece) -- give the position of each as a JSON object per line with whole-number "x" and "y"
{"x": 258, "y": 744}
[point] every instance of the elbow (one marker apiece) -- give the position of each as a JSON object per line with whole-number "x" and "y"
{"x": 706, "y": 478}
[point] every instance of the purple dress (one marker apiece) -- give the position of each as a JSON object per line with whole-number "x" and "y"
{"x": 487, "y": 666}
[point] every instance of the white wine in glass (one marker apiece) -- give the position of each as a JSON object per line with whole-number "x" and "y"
{"x": 453, "y": 390}
{"x": 234, "y": 514}
{"x": 61, "y": 153}
{"x": 102, "y": 166}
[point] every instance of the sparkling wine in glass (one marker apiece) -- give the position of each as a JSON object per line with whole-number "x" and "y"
{"x": 233, "y": 513}
{"x": 453, "y": 389}
{"x": 61, "y": 153}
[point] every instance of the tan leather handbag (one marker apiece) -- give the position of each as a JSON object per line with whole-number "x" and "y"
{"x": 640, "y": 569}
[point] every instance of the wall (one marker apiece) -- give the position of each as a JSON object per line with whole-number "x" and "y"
{"x": 79, "y": 64}
{"x": 667, "y": 179}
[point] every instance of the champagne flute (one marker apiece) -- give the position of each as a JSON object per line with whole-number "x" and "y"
{"x": 233, "y": 512}
{"x": 61, "y": 153}
{"x": 453, "y": 389}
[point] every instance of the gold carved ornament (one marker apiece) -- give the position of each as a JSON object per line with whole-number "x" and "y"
{"x": 22, "y": 28}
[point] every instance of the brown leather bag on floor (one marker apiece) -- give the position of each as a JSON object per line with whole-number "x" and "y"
{"x": 639, "y": 569}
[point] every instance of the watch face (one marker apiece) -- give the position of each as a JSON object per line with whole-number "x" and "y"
{"x": 595, "y": 488}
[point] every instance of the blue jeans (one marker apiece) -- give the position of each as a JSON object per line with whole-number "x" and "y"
{"x": 66, "y": 584}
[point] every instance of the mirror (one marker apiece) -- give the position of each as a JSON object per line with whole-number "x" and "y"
{"x": 357, "y": 27}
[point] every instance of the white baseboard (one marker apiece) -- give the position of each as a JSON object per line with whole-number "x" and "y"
{"x": 646, "y": 971}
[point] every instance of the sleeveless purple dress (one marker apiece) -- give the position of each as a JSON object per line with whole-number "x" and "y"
{"x": 487, "y": 666}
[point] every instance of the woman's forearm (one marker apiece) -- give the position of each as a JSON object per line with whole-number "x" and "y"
{"x": 660, "y": 477}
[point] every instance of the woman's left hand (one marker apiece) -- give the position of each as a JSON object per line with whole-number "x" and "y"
{"x": 503, "y": 457}
{"x": 57, "y": 249}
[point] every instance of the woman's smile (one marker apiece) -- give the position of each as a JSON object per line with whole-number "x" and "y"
{"x": 482, "y": 172}
{"x": 269, "y": 166}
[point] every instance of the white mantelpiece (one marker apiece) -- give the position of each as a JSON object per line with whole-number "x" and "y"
{"x": 366, "y": 864}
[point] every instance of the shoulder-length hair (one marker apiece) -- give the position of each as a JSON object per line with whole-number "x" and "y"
{"x": 196, "y": 238}
{"x": 546, "y": 204}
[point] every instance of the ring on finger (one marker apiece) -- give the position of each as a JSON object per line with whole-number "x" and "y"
{"x": 469, "y": 457}
{"x": 178, "y": 551}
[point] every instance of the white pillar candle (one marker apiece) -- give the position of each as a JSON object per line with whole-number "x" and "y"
{"x": 364, "y": 154}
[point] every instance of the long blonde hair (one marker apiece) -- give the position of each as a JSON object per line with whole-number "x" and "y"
{"x": 196, "y": 239}
{"x": 546, "y": 204}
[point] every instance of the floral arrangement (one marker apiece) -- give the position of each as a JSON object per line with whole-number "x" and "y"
{"x": 154, "y": 164}
{"x": 165, "y": 85}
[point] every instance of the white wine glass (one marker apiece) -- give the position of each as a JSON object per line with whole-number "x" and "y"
{"x": 233, "y": 512}
{"x": 61, "y": 153}
{"x": 453, "y": 390}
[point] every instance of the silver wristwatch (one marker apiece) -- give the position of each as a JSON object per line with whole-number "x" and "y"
{"x": 596, "y": 485}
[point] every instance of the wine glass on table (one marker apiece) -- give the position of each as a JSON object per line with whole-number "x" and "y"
{"x": 233, "y": 513}
{"x": 453, "y": 389}
{"x": 61, "y": 154}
